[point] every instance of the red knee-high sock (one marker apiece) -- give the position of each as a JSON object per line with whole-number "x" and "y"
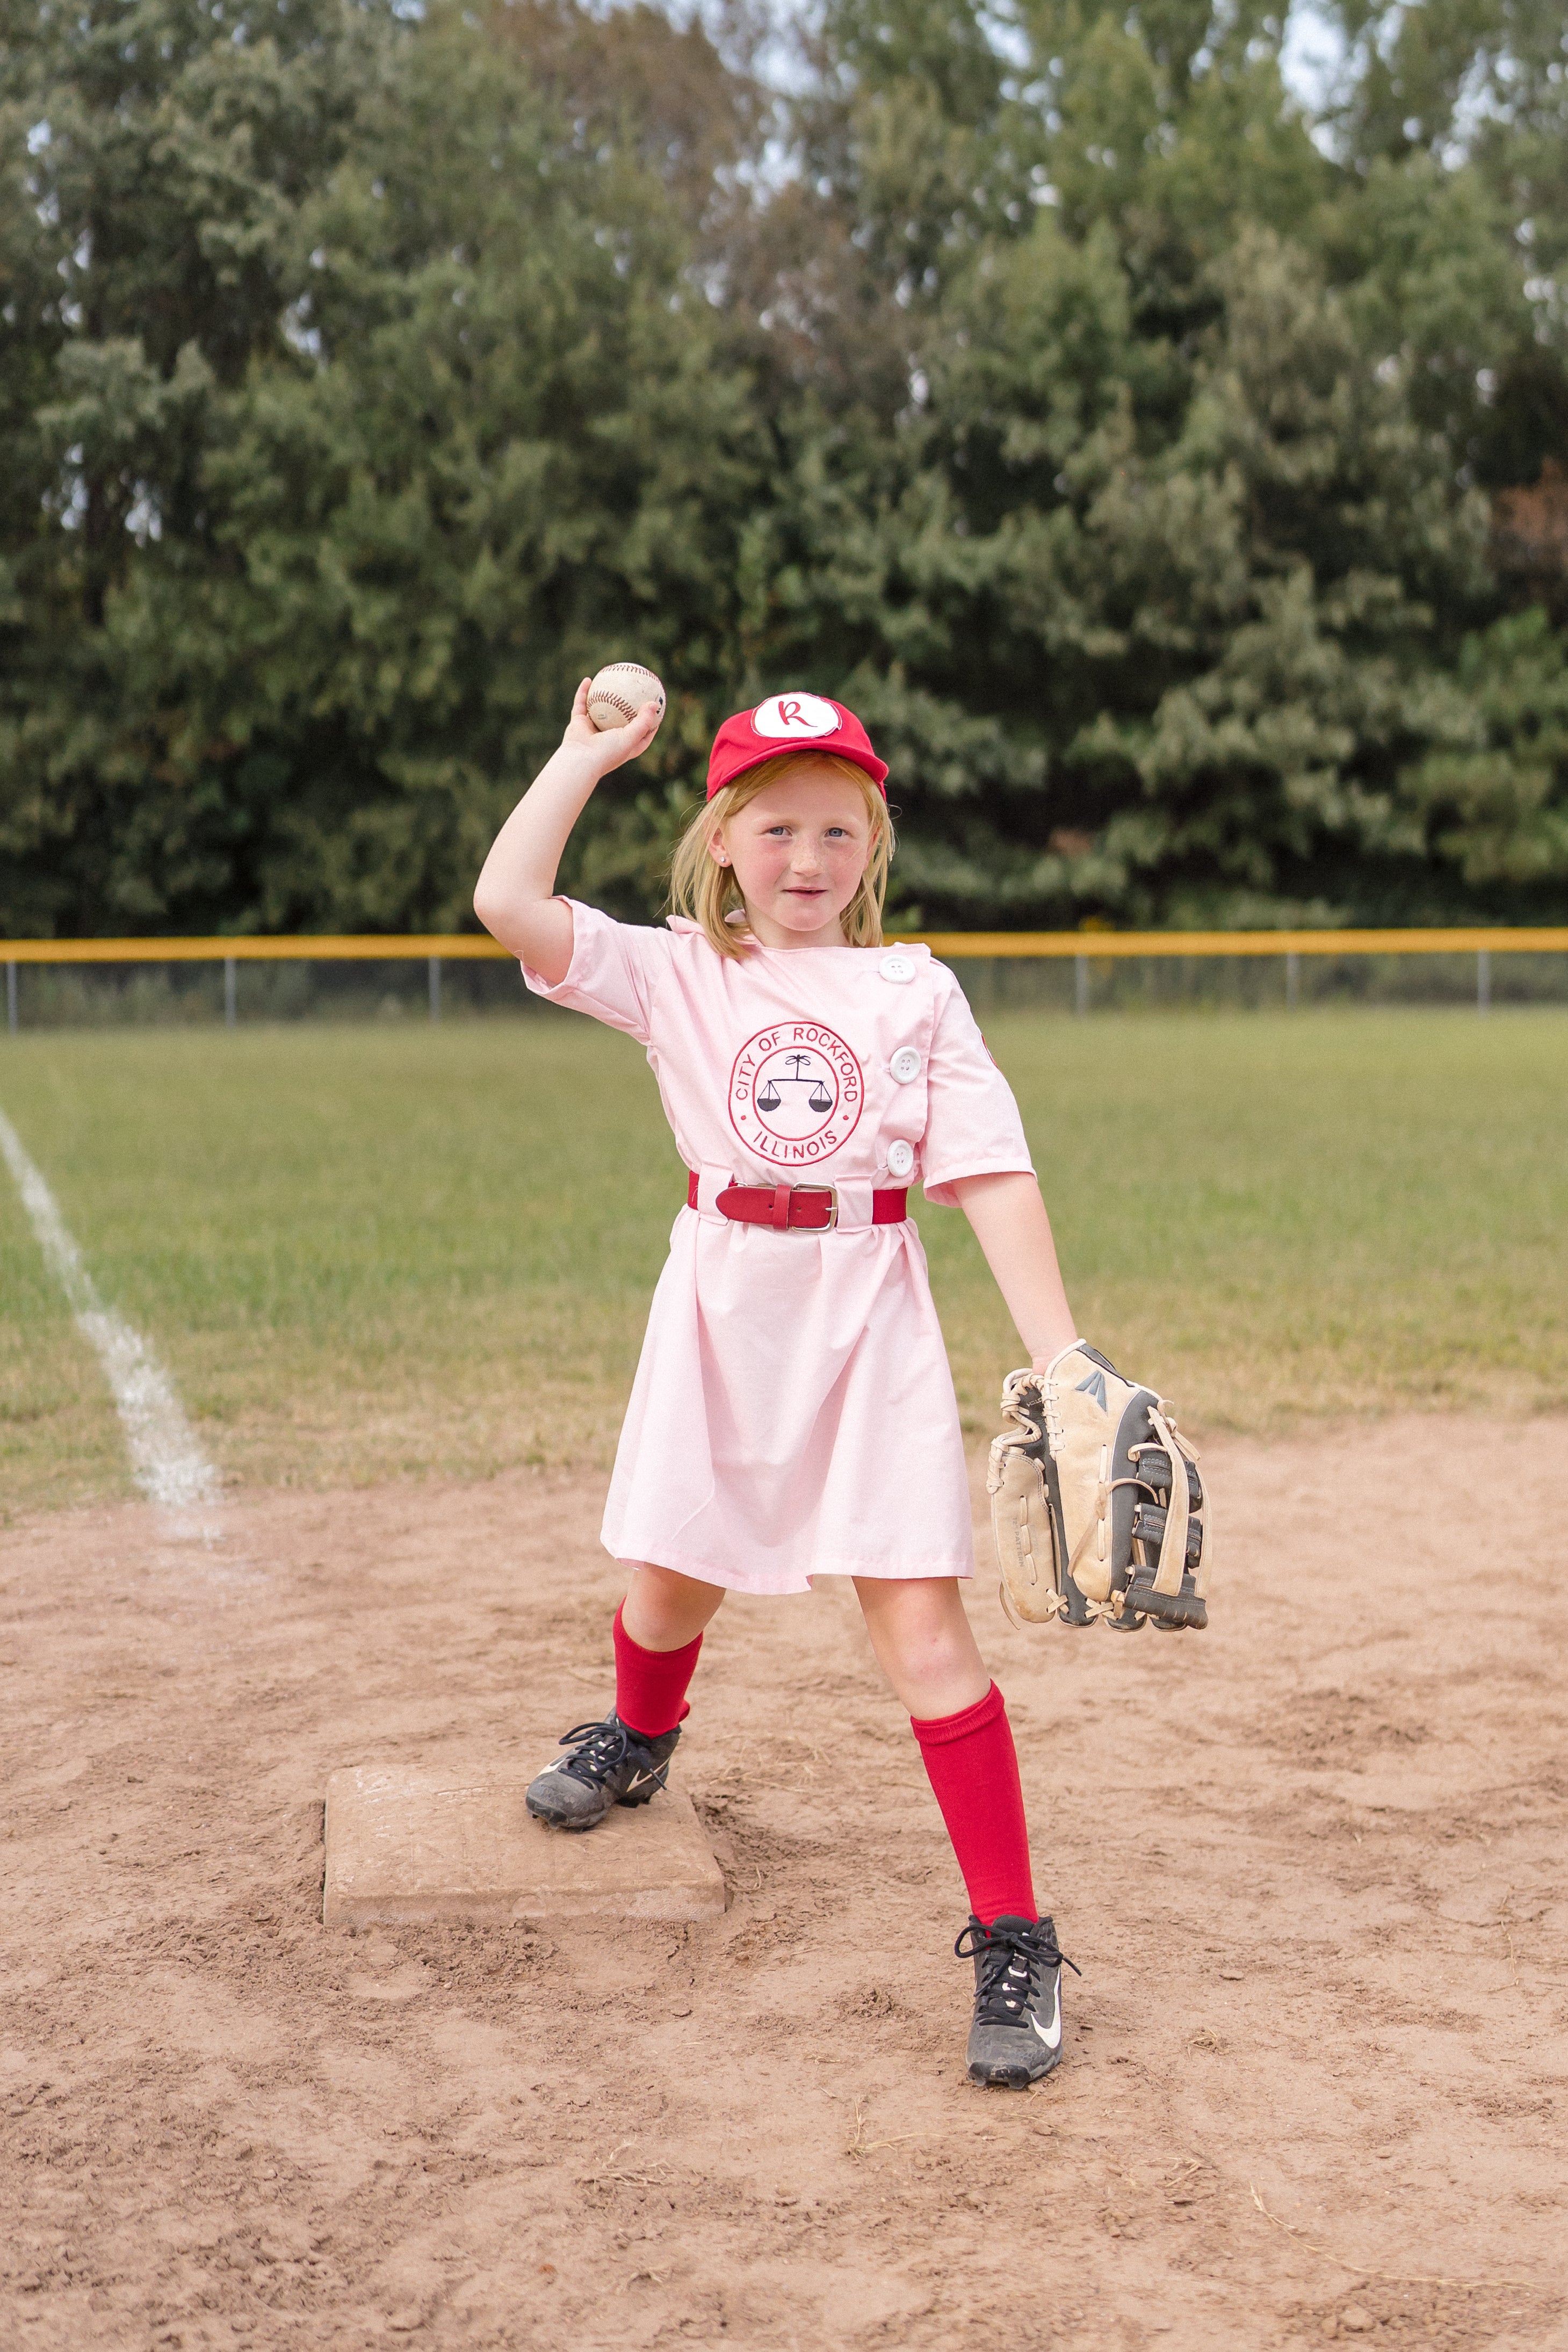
{"x": 974, "y": 1769}
{"x": 651, "y": 1684}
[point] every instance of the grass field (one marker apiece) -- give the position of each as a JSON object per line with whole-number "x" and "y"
{"x": 366, "y": 1252}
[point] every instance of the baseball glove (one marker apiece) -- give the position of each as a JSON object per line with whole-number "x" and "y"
{"x": 1096, "y": 1502}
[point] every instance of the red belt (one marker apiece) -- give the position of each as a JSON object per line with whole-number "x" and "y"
{"x": 809, "y": 1208}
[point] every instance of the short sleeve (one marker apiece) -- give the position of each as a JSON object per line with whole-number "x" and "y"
{"x": 613, "y": 970}
{"x": 972, "y": 1122}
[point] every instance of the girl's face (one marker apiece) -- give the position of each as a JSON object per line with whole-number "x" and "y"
{"x": 799, "y": 851}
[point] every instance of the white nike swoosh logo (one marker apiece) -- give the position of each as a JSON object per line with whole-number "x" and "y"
{"x": 1051, "y": 2035}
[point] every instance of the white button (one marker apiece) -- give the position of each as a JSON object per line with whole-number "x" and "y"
{"x": 905, "y": 1064}
{"x": 898, "y": 968}
{"x": 900, "y": 1158}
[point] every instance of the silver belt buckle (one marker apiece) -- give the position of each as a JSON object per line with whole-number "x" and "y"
{"x": 833, "y": 1192}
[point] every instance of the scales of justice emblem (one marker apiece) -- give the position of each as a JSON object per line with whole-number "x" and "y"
{"x": 796, "y": 1093}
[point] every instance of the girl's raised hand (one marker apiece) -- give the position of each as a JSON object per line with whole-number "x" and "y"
{"x": 611, "y": 746}
{"x": 515, "y": 899}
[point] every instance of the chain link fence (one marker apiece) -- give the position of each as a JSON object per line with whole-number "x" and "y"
{"x": 79, "y": 983}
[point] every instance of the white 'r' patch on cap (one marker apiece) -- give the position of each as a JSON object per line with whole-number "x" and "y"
{"x": 795, "y": 718}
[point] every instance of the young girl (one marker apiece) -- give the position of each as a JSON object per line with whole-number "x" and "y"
{"x": 793, "y": 1414}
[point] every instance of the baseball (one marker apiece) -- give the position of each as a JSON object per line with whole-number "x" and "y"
{"x": 619, "y": 692}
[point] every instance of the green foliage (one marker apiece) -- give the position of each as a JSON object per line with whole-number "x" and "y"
{"x": 1493, "y": 799}
{"x": 1116, "y": 439}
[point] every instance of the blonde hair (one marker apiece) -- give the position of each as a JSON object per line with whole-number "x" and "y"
{"x": 708, "y": 893}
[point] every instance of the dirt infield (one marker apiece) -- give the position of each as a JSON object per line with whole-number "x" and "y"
{"x": 1310, "y": 1865}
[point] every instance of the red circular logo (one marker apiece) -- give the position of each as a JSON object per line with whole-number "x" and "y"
{"x": 796, "y": 1094}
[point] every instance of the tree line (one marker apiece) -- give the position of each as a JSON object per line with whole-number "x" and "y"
{"x": 1168, "y": 470}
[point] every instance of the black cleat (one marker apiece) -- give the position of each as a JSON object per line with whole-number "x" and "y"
{"x": 1016, "y": 2037}
{"x": 610, "y": 1765}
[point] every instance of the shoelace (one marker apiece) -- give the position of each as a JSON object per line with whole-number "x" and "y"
{"x": 1008, "y": 1961}
{"x": 602, "y": 1748}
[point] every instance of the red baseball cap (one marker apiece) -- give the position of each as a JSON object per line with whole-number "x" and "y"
{"x": 789, "y": 722}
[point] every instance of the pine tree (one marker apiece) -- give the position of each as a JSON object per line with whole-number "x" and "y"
{"x": 1166, "y": 478}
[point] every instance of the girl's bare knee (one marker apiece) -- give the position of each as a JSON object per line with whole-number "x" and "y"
{"x": 663, "y": 1610}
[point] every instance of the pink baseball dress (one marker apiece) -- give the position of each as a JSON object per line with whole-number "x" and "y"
{"x": 793, "y": 1411}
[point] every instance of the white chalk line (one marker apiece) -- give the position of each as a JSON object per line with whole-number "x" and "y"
{"x": 165, "y": 1460}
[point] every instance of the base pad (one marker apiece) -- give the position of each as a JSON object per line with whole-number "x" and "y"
{"x": 415, "y": 1842}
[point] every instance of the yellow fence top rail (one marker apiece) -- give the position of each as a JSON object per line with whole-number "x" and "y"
{"x": 956, "y": 946}
{"x": 301, "y": 947}
{"x": 959, "y": 944}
